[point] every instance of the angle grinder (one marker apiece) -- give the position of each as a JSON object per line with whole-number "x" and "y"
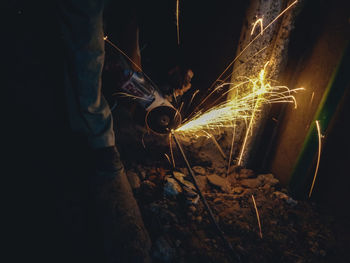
{"x": 161, "y": 116}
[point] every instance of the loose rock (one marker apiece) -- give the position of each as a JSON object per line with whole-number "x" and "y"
{"x": 199, "y": 170}
{"x": 250, "y": 183}
{"x": 246, "y": 173}
{"x": 268, "y": 179}
{"x": 220, "y": 182}
{"x": 172, "y": 187}
{"x": 202, "y": 182}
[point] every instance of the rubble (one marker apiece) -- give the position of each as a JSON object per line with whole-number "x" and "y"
{"x": 268, "y": 179}
{"x": 250, "y": 183}
{"x": 202, "y": 182}
{"x": 220, "y": 182}
{"x": 246, "y": 173}
{"x": 172, "y": 187}
{"x": 293, "y": 231}
{"x": 199, "y": 170}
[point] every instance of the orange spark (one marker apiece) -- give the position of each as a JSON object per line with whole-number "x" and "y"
{"x": 177, "y": 21}
{"x": 257, "y": 216}
{"x": 258, "y": 22}
{"x": 318, "y": 156}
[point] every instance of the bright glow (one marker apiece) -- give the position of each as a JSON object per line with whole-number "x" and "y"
{"x": 252, "y": 93}
{"x": 318, "y": 156}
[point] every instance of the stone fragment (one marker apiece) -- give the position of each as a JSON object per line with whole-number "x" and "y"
{"x": 134, "y": 179}
{"x": 179, "y": 176}
{"x": 188, "y": 185}
{"x": 220, "y": 170}
{"x": 220, "y": 182}
{"x": 193, "y": 199}
{"x": 199, "y": 170}
{"x": 232, "y": 178}
{"x": 250, "y": 183}
{"x": 246, "y": 173}
{"x": 184, "y": 171}
{"x": 280, "y": 195}
{"x": 234, "y": 169}
{"x": 266, "y": 187}
{"x": 268, "y": 179}
{"x": 172, "y": 187}
{"x": 238, "y": 190}
{"x": 285, "y": 197}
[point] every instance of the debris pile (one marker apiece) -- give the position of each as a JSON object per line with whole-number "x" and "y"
{"x": 181, "y": 231}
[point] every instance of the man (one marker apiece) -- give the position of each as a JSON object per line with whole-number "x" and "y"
{"x": 81, "y": 22}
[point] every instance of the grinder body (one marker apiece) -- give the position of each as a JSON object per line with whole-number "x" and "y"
{"x": 161, "y": 115}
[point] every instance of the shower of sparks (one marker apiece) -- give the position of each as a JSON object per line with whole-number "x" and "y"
{"x": 260, "y": 23}
{"x": 177, "y": 21}
{"x": 257, "y": 216}
{"x": 252, "y": 93}
{"x": 220, "y": 86}
{"x": 318, "y": 156}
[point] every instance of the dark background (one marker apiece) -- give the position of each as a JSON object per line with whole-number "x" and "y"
{"x": 49, "y": 166}
{"x": 46, "y": 177}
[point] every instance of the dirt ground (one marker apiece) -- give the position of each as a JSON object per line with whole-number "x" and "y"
{"x": 181, "y": 230}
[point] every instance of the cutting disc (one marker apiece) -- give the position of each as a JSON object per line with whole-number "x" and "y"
{"x": 162, "y": 119}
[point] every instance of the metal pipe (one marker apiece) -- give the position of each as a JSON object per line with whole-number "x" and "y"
{"x": 204, "y": 201}
{"x": 218, "y": 146}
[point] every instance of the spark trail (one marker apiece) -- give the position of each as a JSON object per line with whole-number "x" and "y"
{"x": 177, "y": 21}
{"x": 252, "y": 93}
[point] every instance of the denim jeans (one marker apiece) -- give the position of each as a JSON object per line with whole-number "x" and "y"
{"x": 81, "y": 23}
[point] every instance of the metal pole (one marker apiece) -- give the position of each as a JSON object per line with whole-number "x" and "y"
{"x": 218, "y": 146}
{"x": 204, "y": 201}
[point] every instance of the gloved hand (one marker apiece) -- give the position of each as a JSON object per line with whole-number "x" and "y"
{"x": 180, "y": 80}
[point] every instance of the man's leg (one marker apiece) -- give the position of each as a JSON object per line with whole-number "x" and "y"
{"x": 81, "y": 23}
